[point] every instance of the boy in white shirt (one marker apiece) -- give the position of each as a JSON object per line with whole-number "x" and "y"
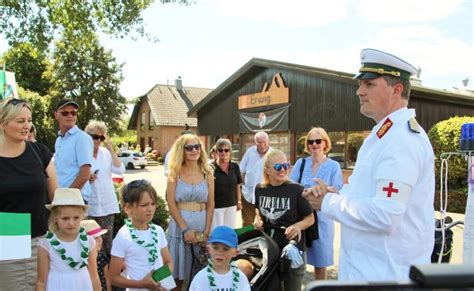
{"x": 221, "y": 273}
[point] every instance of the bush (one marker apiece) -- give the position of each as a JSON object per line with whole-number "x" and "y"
{"x": 160, "y": 218}
{"x": 457, "y": 199}
{"x": 444, "y": 137}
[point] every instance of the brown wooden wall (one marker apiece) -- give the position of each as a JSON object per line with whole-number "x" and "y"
{"x": 322, "y": 100}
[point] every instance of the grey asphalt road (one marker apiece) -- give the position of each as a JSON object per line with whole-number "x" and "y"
{"x": 155, "y": 174}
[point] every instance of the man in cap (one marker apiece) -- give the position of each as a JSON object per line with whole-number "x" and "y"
{"x": 73, "y": 150}
{"x": 386, "y": 211}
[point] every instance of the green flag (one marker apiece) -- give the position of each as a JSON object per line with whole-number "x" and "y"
{"x": 15, "y": 235}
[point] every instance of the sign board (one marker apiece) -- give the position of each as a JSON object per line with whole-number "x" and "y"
{"x": 277, "y": 93}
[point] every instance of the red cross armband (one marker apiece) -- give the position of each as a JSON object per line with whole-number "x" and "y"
{"x": 395, "y": 190}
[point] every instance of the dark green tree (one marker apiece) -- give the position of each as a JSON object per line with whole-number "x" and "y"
{"x": 88, "y": 73}
{"x": 32, "y": 67}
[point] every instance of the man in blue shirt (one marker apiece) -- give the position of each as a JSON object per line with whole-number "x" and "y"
{"x": 73, "y": 150}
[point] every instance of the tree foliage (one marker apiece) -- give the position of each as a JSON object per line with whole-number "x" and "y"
{"x": 88, "y": 73}
{"x": 32, "y": 68}
{"x": 40, "y": 21}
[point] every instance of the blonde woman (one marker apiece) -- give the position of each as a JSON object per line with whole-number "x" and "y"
{"x": 103, "y": 202}
{"x": 281, "y": 210}
{"x": 318, "y": 165}
{"x": 27, "y": 183}
{"x": 190, "y": 197}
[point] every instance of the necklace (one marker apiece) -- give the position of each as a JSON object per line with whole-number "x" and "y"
{"x": 212, "y": 280}
{"x": 57, "y": 246}
{"x": 152, "y": 252}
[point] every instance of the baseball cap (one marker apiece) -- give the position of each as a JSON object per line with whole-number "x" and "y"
{"x": 224, "y": 235}
{"x": 65, "y": 102}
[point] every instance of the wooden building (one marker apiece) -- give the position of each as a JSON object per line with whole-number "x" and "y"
{"x": 286, "y": 100}
{"x": 160, "y": 116}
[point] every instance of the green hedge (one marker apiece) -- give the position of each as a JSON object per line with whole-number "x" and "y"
{"x": 457, "y": 199}
{"x": 444, "y": 137}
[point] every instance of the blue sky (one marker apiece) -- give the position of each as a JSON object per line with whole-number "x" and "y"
{"x": 206, "y": 42}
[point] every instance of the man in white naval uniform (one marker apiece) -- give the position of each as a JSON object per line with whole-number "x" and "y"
{"x": 386, "y": 211}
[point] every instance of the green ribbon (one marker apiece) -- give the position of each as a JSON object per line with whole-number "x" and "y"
{"x": 57, "y": 246}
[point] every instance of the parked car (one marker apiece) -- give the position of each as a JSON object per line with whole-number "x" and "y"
{"x": 132, "y": 159}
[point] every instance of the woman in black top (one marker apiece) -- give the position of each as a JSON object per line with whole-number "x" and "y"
{"x": 27, "y": 183}
{"x": 281, "y": 210}
{"x": 227, "y": 180}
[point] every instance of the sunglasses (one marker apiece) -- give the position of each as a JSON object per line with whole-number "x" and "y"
{"x": 280, "y": 166}
{"x": 135, "y": 184}
{"x": 190, "y": 147}
{"x": 65, "y": 113}
{"x": 97, "y": 137}
{"x": 16, "y": 101}
{"x": 317, "y": 141}
{"x": 223, "y": 150}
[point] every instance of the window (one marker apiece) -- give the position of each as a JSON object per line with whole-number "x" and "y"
{"x": 142, "y": 121}
{"x": 151, "y": 121}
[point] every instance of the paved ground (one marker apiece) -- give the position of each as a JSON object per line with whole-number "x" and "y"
{"x": 156, "y": 175}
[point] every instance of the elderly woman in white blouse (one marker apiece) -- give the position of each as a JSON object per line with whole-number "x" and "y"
{"x": 103, "y": 204}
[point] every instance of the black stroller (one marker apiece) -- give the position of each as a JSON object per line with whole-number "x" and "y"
{"x": 264, "y": 254}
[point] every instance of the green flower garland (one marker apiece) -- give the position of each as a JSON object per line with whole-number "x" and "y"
{"x": 152, "y": 251}
{"x": 212, "y": 280}
{"x": 54, "y": 242}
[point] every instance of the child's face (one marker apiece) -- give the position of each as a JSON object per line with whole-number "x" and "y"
{"x": 221, "y": 254}
{"x": 69, "y": 219}
{"x": 143, "y": 211}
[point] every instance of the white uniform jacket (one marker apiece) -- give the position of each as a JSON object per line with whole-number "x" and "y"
{"x": 386, "y": 211}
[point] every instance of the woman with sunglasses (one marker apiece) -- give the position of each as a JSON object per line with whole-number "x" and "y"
{"x": 103, "y": 202}
{"x": 318, "y": 165}
{"x": 27, "y": 183}
{"x": 190, "y": 197}
{"x": 281, "y": 210}
{"x": 227, "y": 180}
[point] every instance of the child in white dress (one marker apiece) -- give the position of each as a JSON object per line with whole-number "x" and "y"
{"x": 67, "y": 256}
{"x": 140, "y": 247}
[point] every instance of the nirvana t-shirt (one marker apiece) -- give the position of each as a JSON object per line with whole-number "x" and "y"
{"x": 282, "y": 206}
{"x": 24, "y": 185}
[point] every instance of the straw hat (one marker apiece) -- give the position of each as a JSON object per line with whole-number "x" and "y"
{"x": 67, "y": 197}
{"x": 92, "y": 228}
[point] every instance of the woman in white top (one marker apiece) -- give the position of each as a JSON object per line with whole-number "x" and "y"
{"x": 103, "y": 204}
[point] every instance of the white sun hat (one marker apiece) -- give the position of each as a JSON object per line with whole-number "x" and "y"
{"x": 67, "y": 197}
{"x": 92, "y": 228}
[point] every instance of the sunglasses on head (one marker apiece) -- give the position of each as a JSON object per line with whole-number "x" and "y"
{"x": 135, "y": 184}
{"x": 16, "y": 101}
{"x": 317, "y": 141}
{"x": 65, "y": 113}
{"x": 280, "y": 166}
{"x": 97, "y": 137}
{"x": 190, "y": 147}
{"x": 223, "y": 150}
